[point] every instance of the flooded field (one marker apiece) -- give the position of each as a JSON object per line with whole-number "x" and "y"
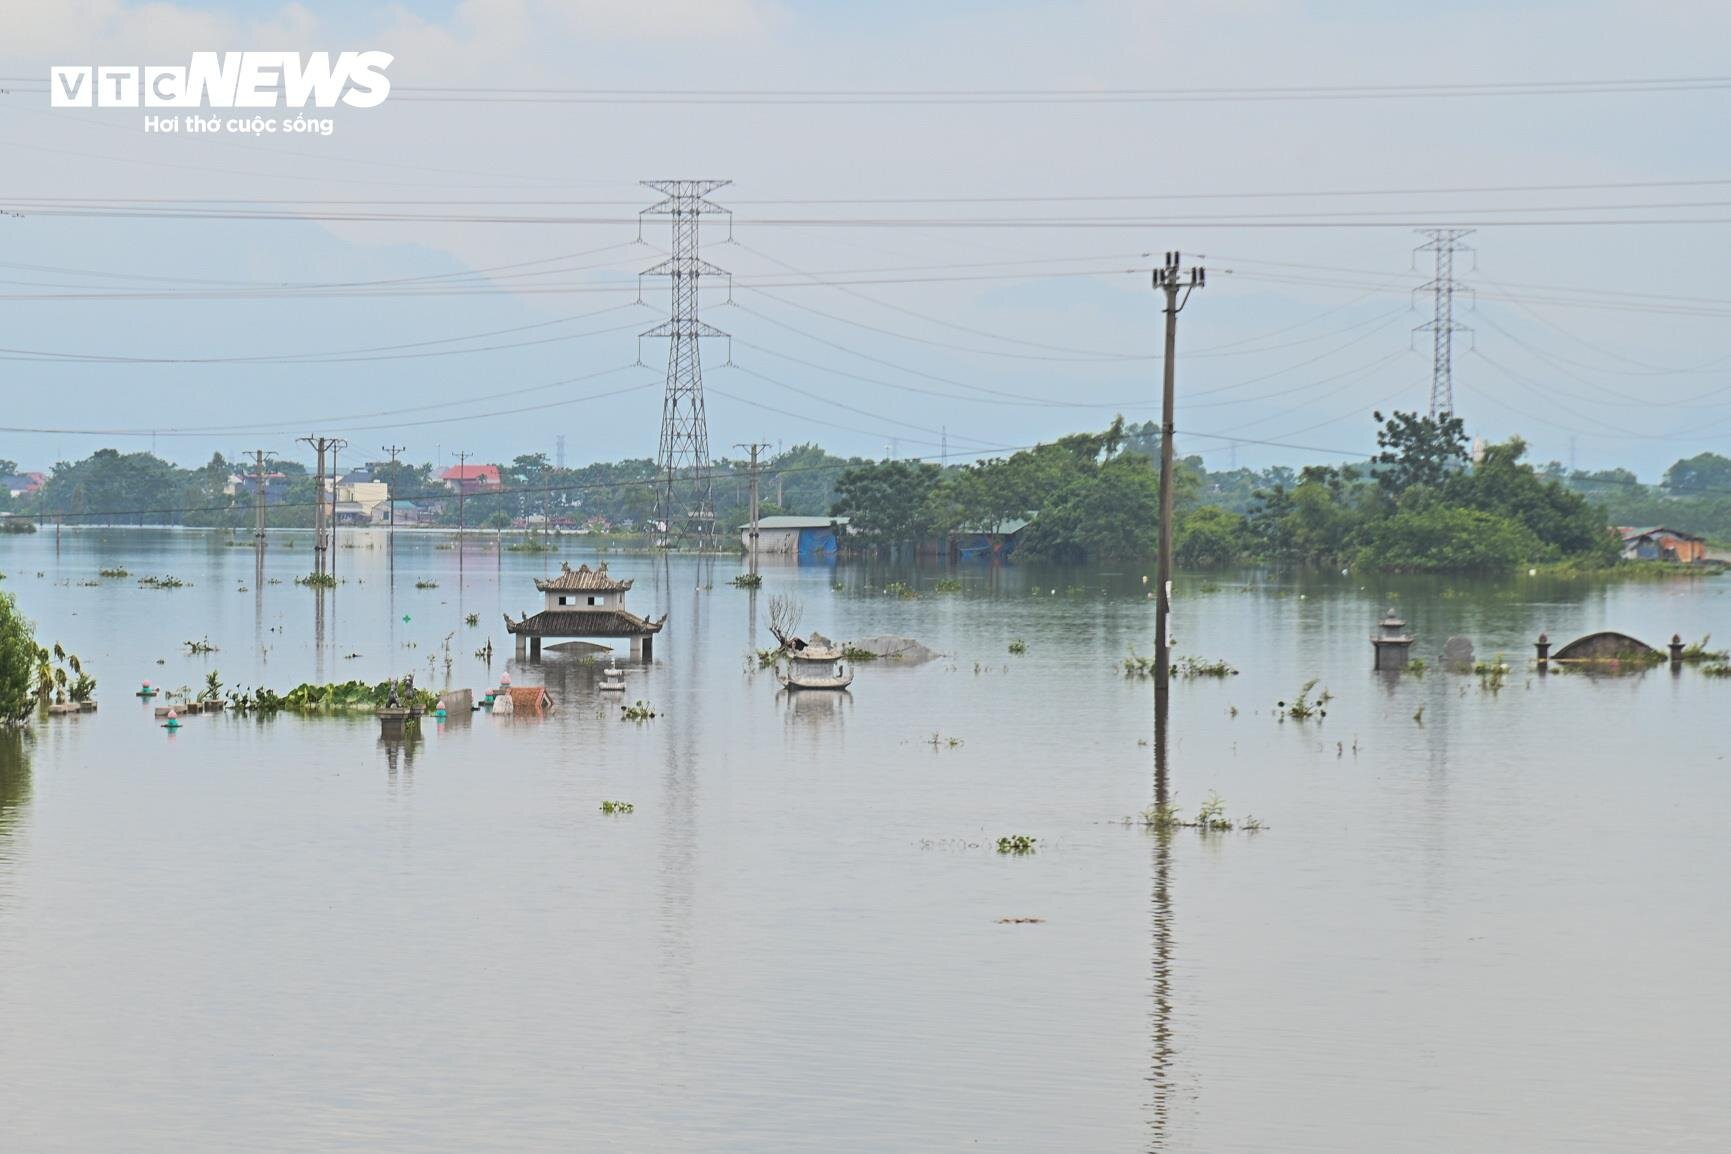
{"x": 1479, "y": 917}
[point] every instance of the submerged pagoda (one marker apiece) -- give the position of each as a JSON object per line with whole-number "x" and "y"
{"x": 584, "y": 602}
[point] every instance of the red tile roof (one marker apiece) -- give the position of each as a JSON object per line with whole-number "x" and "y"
{"x": 471, "y": 473}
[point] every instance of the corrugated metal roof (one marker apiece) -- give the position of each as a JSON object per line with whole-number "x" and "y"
{"x": 796, "y": 522}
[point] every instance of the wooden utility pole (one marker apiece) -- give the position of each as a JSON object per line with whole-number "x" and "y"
{"x": 754, "y": 448}
{"x": 1167, "y": 280}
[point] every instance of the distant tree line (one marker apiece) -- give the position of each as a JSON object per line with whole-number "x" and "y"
{"x": 1422, "y": 503}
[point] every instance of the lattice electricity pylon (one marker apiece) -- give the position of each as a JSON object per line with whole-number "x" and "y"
{"x": 685, "y": 503}
{"x": 1445, "y": 242}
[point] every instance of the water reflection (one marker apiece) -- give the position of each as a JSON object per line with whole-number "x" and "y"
{"x": 14, "y": 783}
{"x": 400, "y": 746}
{"x": 1160, "y": 1067}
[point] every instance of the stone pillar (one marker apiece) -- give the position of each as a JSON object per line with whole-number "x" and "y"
{"x": 1543, "y": 648}
{"x": 522, "y": 645}
{"x": 534, "y": 649}
{"x": 1676, "y": 649}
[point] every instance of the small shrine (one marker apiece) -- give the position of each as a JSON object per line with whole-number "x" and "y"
{"x": 584, "y": 602}
{"x": 1392, "y": 643}
{"x": 815, "y": 664}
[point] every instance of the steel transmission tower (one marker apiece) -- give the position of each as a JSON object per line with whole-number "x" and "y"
{"x": 1444, "y": 242}
{"x": 685, "y": 502}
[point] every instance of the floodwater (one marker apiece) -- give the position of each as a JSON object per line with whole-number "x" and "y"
{"x": 1500, "y": 927}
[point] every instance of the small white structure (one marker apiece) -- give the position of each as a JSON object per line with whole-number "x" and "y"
{"x": 815, "y": 664}
{"x": 612, "y": 679}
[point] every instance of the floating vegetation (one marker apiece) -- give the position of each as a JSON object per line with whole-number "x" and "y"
{"x": 532, "y": 544}
{"x": 1717, "y": 669}
{"x": 1021, "y": 921}
{"x": 901, "y": 589}
{"x": 856, "y": 655}
{"x": 114, "y": 572}
{"x": 1302, "y": 708}
{"x": 1188, "y": 667}
{"x": 162, "y": 583}
{"x": 1416, "y": 667}
{"x": 617, "y": 807}
{"x": 1135, "y": 666}
{"x": 347, "y": 696}
{"x": 638, "y": 711}
{"x": 1165, "y": 817}
{"x": 1018, "y": 646}
{"x": 767, "y": 658}
{"x": 318, "y": 580}
{"x": 17, "y": 525}
{"x": 748, "y": 580}
{"x": 472, "y": 619}
{"x": 939, "y": 741}
{"x": 947, "y": 585}
{"x": 203, "y": 646}
{"x": 1697, "y": 651}
{"x": 425, "y": 584}
{"x": 1018, "y": 844}
{"x": 1492, "y": 674}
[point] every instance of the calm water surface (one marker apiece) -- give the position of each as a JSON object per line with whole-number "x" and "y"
{"x": 1501, "y": 929}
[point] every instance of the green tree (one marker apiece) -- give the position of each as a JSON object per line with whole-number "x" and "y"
{"x": 1700, "y": 473}
{"x": 1208, "y": 537}
{"x": 1424, "y": 535}
{"x": 18, "y": 664}
{"x": 885, "y": 503}
{"x": 1111, "y": 513}
{"x": 1418, "y": 450}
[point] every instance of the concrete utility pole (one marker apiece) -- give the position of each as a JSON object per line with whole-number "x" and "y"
{"x": 320, "y": 445}
{"x": 336, "y": 444}
{"x": 1168, "y": 281}
{"x": 462, "y": 481}
{"x": 391, "y": 499}
{"x": 754, "y": 448}
{"x": 258, "y": 494}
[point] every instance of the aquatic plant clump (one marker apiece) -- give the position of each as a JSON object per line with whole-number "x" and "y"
{"x": 1018, "y": 646}
{"x": 1165, "y": 817}
{"x": 856, "y": 655}
{"x": 638, "y": 711}
{"x": 425, "y": 584}
{"x": 317, "y": 580}
{"x": 748, "y": 581}
{"x": 1018, "y": 844}
{"x": 162, "y": 582}
{"x": 1189, "y": 667}
{"x": 347, "y": 696}
{"x": 1697, "y": 651}
{"x": 1302, "y": 707}
{"x": 114, "y": 572}
{"x": 617, "y": 807}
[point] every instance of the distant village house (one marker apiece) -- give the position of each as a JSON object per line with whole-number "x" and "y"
{"x": 1662, "y": 544}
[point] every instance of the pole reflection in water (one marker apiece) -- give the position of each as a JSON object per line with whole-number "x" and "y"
{"x": 319, "y": 634}
{"x": 1160, "y": 1069}
{"x": 400, "y": 748}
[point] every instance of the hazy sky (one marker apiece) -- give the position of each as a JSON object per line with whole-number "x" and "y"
{"x": 1605, "y": 341}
